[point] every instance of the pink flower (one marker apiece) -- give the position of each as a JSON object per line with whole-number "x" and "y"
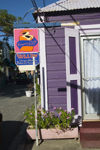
{"x": 60, "y": 113}
{"x": 54, "y": 108}
{"x": 44, "y": 114}
{"x": 67, "y": 117}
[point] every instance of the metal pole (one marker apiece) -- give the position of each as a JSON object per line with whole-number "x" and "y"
{"x": 36, "y": 128}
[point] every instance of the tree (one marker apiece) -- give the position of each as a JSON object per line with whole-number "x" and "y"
{"x": 20, "y": 20}
{"x": 6, "y": 22}
{"x": 6, "y": 27}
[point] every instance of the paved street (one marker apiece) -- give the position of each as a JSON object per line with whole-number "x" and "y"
{"x": 13, "y": 103}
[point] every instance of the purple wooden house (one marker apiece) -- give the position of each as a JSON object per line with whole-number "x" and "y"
{"x": 70, "y": 57}
{"x": 70, "y": 62}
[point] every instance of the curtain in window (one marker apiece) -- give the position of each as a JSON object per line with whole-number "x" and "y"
{"x": 91, "y": 60}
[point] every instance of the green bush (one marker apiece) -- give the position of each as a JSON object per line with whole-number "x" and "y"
{"x": 58, "y": 118}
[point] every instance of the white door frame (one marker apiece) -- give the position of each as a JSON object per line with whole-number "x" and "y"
{"x": 70, "y": 77}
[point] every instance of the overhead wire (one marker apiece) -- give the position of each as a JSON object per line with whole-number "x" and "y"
{"x": 44, "y": 3}
{"x": 27, "y": 13}
{"x": 56, "y": 40}
{"x": 86, "y": 36}
{"x": 34, "y": 4}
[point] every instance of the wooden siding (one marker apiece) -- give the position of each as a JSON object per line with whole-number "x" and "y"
{"x": 56, "y": 68}
{"x": 56, "y": 83}
{"x": 59, "y": 58}
{"x": 56, "y": 92}
{"x": 56, "y": 64}
{"x": 55, "y": 49}
{"x": 59, "y": 75}
{"x": 86, "y": 18}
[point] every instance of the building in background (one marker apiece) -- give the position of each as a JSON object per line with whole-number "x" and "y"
{"x": 7, "y": 66}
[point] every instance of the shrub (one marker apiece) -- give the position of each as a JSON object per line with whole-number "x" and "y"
{"x": 58, "y": 118}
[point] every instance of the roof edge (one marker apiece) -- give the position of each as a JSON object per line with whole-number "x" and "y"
{"x": 68, "y": 12}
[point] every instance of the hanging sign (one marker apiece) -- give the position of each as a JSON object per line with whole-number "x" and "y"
{"x": 26, "y": 68}
{"x": 23, "y": 68}
{"x": 26, "y": 40}
{"x": 26, "y": 58}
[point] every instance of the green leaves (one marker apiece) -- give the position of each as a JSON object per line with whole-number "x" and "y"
{"x": 58, "y": 118}
{"x": 6, "y": 21}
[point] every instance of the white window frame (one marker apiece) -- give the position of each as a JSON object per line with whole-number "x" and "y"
{"x": 93, "y": 32}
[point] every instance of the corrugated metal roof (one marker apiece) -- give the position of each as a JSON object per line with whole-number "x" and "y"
{"x": 63, "y": 5}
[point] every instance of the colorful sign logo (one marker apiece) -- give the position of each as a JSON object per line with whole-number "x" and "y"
{"x": 26, "y": 58}
{"x": 26, "y": 40}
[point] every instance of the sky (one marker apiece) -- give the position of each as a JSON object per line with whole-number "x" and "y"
{"x": 21, "y": 7}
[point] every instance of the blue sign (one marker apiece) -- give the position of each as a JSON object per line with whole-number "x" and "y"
{"x": 26, "y": 58}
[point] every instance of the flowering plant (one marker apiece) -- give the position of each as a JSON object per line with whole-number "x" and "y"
{"x": 58, "y": 118}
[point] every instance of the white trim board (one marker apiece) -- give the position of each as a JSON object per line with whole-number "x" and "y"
{"x": 93, "y": 26}
{"x": 43, "y": 66}
{"x": 86, "y": 30}
{"x": 90, "y": 32}
{"x": 70, "y": 77}
{"x": 68, "y": 100}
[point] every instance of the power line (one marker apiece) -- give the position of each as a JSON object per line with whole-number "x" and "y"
{"x": 83, "y": 33}
{"x": 55, "y": 39}
{"x": 77, "y": 24}
{"x": 73, "y": 19}
{"x": 27, "y": 13}
{"x": 44, "y": 3}
{"x": 34, "y": 4}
